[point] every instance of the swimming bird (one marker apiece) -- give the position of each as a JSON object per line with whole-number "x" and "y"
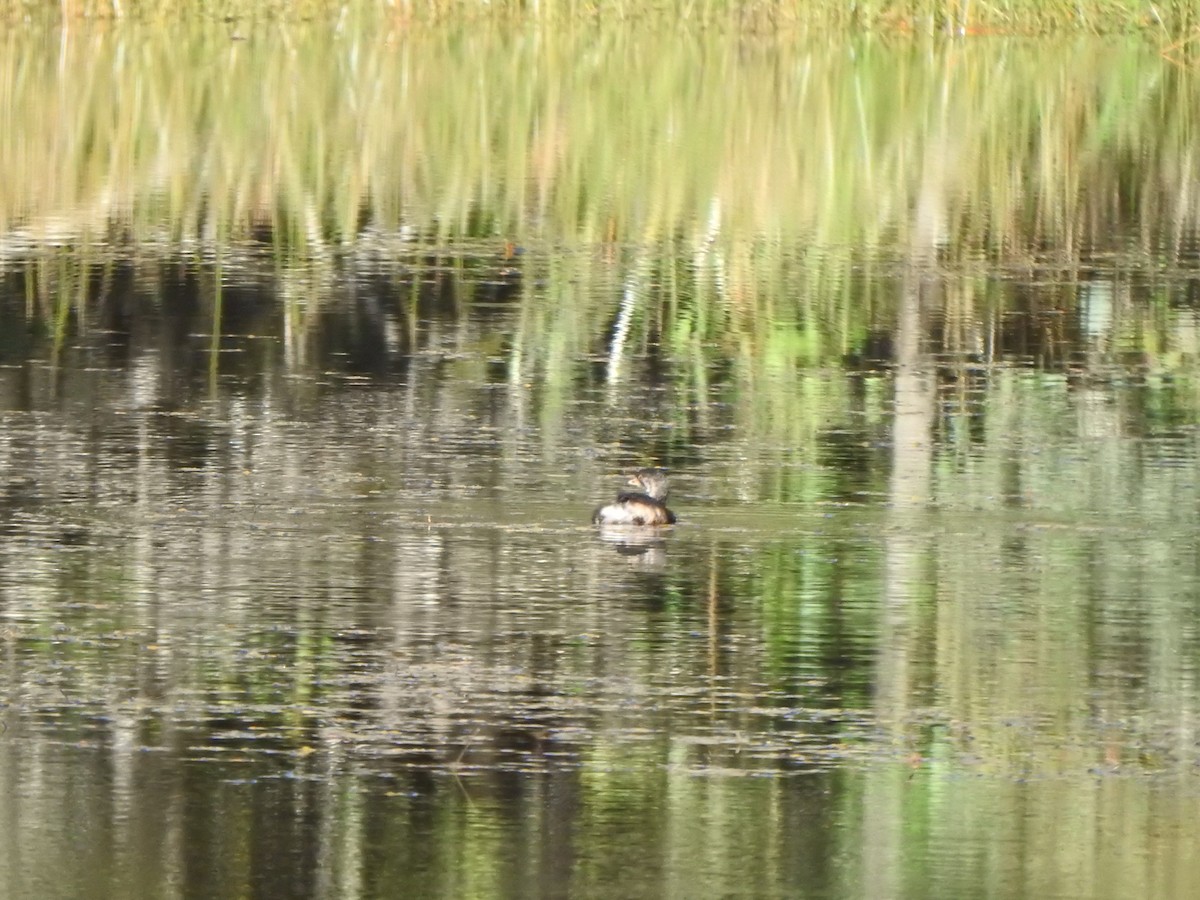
{"x": 645, "y": 507}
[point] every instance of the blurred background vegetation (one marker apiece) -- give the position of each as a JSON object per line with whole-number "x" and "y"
{"x": 736, "y": 184}
{"x": 952, "y": 17}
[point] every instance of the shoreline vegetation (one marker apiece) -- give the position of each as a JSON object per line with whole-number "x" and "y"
{"x": 744, "y": 191}
{"x": 1172, "y": 20}
{"x": 995, "y": 152}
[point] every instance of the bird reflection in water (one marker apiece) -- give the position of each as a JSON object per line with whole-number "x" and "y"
{"x": 642, "y": 547}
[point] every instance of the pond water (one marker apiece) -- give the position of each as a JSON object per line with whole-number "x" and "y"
{"x": 298, "y": 591}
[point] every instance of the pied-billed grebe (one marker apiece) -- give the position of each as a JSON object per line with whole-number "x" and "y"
{"x": 645, "y": 507}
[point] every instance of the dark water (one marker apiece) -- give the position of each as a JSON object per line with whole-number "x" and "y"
{"x": 334, "y": 623}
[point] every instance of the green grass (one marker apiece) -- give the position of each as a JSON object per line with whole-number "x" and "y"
{"x": 951, "y": 17}
{"x": 964, "y": 148}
